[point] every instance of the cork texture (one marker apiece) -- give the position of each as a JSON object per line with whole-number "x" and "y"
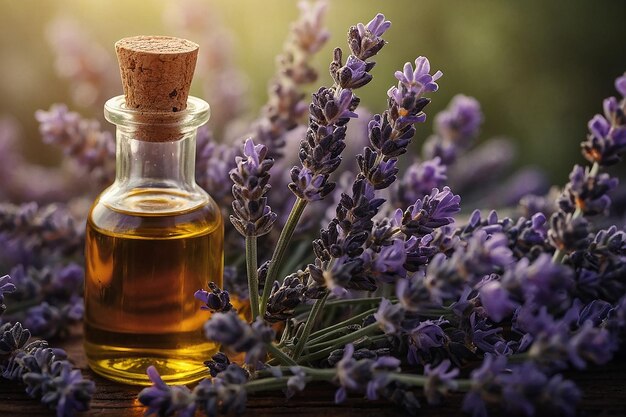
{"x": 156, "y": 75}
{"x": 156, "y": 71}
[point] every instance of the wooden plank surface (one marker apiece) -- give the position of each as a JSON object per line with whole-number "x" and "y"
{"x": 604, "y": 395}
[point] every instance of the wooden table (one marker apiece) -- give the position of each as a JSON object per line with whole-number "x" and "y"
{"x": 604, "y": 395}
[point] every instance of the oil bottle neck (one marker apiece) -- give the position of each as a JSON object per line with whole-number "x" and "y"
{"x": 144, "y": 164}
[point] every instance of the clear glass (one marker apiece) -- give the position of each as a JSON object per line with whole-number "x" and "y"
{"x": 153, "y": 238}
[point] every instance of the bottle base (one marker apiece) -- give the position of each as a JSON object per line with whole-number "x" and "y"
{"x": 129, "y": 366}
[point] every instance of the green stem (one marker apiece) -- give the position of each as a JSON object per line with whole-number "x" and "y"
{"x": 317, "y": 307}
{"x": 348, "y": 302}
{"x": 344, "y": 323}
{"x": 559, "y": 254}
{"x": 365, "y": 331}
{"x": 266, "y": 384}
{"x": 281, "y": 247}
{"x": 420, "y": 381}
{"x": 279, "y": 355}
{"x": 253, "y": 277}
{"x": 331, "y": 331}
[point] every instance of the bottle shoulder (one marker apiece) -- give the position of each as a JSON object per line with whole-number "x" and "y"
{"x": 154, "y": 213}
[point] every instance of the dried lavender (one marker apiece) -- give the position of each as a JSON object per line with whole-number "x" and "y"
{"x": 45, "y": 371}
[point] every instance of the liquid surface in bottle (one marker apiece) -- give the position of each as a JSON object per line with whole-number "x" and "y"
{"x": 142, "y": 271}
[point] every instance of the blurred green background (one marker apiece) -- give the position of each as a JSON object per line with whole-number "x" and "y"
{"x": 540, "y": 69}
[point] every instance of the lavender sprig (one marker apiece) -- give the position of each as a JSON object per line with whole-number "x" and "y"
{"x": 81, "y": 139}
{"x": 46, "y": 372}
{"x": 286, "y": 106}
{"x": 329, "y": 112}
{"x": 587, "y": 188}
{"x": 253, "y": 217}
{"x": 342, "y": 242}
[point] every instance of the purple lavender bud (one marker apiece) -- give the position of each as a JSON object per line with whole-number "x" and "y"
{"x": 568, "y": 233}
{"x": 218, "y": 363}
{"x": 66, "y": 389}
{"x": 380, "y": 174}
{"x": 426, "y": 335}
{"x": 223, "y": 394}
{"x": 162, "y": 399}
{"x": 215, "y": 300}
{"x": 389, "y": 317}
{"x": 296, "y": 382}
{"x": 440, "y": 381}
{"x": 431, "y": 212}
{"x": 460, "y": 122}
{"x": 605, "y": 143}
{"x": 229, "y": 330}
{"x": 587, "y": 192}
{"x": 80, "y": 139}
{"x": 253, "y": 217}
{"x": 411, "y": 292}
{"x": 416, "y": 81}
{"x": 486, "y": 253}
{"x": 284, "y": 298}
{"x": 13, "y": 338}
{"x": 388, "y": 264}
{"x": 309, "y": 186}
{"x": 354, "y": 74}
{"x": 419, "y": 180}
{"x": 365, "y": 40}
{"x": 496, "y": 301}
{"x": 6, "y": 287}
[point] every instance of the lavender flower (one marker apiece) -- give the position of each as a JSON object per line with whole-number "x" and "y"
{"x": 567, "y": 232}
{"x": 229, "y": 330}
{"x": 364, "y": 375}
{"x": 607, "y": 135}
{"x": 420, "y": 179}
{"x": 460, "y": 122}
{"x": 330, "y": 111}
{"x": 286, "y": 106}
{"x": 320, "y": 152}
{"x": 416, "y": 81}
{"x": 218, "y": 363}
{"x": 284, "y": 298}
{"x": 364, "y": 40}
{"x": 46, "y": 372}
{"x": 215, "y": 300}
{"x": 214, "y": 161}
{"x": 297, "y": 382}
{"x": 253, "y": 217}
{"x": 223, "y": 394}
{"x": 6, "y": 287}
{"x": 433, "y": 211}
{"x": 389, "y": 317}
{"x": 426, "y": 335}
{"x": 587, "y": 192}
{"x": 496, "y": 301}
{"x": 523, "y": 390}
{"x": 165, "y": 400}
{"x": 440, "y": 381}
{"x": 81, "y": 139}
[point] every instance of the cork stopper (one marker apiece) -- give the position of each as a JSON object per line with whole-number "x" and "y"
{"x": 156, "y": 72}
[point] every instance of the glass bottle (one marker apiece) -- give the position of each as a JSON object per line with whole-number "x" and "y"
{"x": 153, "y": 238}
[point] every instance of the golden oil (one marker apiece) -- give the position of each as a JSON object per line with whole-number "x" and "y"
{"x": 142, "y": 270}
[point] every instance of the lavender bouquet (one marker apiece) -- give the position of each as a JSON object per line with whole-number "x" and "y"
{"x": 373, "y": 275}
